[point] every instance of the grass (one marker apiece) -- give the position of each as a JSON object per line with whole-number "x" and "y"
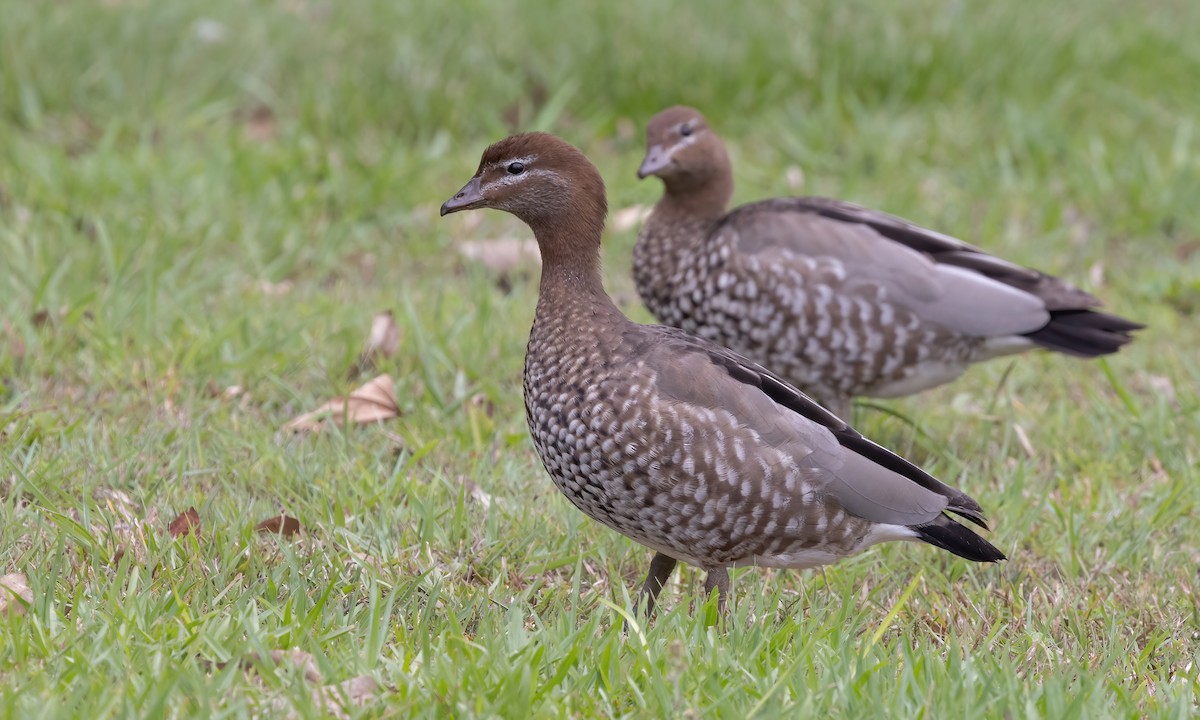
{"x": 195, "y": 196}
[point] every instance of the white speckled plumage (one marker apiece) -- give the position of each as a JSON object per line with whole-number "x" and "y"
{"x": 678, "y": 443}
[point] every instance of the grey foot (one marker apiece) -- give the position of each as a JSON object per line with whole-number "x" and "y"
{"x": 660, "y": 571}
{"x": 717, "y": 578}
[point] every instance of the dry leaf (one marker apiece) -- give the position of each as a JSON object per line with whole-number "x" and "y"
{"x": 480, "y": 401}
{"x": 383, "y": 341}
{"x": 260, "y": 126}
{"x": 125, "y": 532}
{"x": 272, "y": 289}
{"x": 470, "y": 222}
{"x": 627, "y": 129}
{"x": 354, "y": 692}
{"x": 228, "y": 393}
{"x": 501, "y": 256}
{"x": 385, "y": 335}
{"x": 373, "y": 402}
{"x": 280, "y": 524}
{"x": 1165, "y": 389}
{"x": 187, "y": 522}
{"x": 16, "y": 346}
{"x": 630, "y": 217}
{"x": 476, "y": 493}
{"x": 1184, "y": 251}
{"x": 794, "y": 177}
{"x": 296, "y": 657}
{"x": 1023, "y": 440}
{"x": 14, "y": 593}
{"x": 209, "y": 31}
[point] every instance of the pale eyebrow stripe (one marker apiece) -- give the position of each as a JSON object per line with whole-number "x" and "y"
{"x": 525, "y": 160}
{"x": 505, "y": 180}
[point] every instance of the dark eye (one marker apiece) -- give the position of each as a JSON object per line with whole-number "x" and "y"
{"x": 685, "y": 130}
{"x": 516, "y": 168}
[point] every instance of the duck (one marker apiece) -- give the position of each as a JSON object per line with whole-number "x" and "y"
{"x": 840, "y": 300}
{"x": 674, "y": 441}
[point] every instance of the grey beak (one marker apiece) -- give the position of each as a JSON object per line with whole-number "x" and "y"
{"x": 471, "y": 196}
{"x": 656, "y": 160}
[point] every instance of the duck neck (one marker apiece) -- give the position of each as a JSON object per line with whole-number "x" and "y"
{"x": 675, "y": 230}
{"x": 700, "y": 202}
{"x": 571, "y": 281}
{"x": 703, "y": 194}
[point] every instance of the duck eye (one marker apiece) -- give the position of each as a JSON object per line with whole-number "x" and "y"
{"x": 516, "y": 168}
{"x": 685, "y": 130}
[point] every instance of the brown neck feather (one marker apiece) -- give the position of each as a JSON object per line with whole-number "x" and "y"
{"x": 569, "y": 241}
{"x": 705, "y": 193}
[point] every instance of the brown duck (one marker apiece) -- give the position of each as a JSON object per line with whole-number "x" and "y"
{"x": 674, "y": 441}
{"x": 840, "y": 300}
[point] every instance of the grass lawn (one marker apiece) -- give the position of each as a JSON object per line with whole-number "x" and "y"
{"x": 203, "y": 205}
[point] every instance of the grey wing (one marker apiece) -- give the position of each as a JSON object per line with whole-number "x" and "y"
{"x": 954, "y": 296}
{"x": 1055, "y": 293}
{"x": 867, "y": 480}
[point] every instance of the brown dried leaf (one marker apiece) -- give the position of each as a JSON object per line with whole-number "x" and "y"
{"x": 229, "y": 393}
{"x": 260, "y": 125}
{"x": 1164, "y": 388}
{"x": 502, "y": 256}
{"x": 187, "y": 522}
{"x": 373, "y": 402}
{"x": 295, "y": 656}
{"x": 280, "y": 524}
{"x": 354, "y": 692}
{"x": 16, "y": 346}
{"x": 14, "y": 593}
{"x": 300, "y": 659}
{"x": 335, "y": 699}
{"x": 477, "y": 493}
{"x": 627, "y": 129}
{"x": 1023, "y": 440}
{"x": 794, "y": 177}
{"x": 119, "y": 502}
{"x": 273, "y": 289}
{"x": 481, "y": 402}
{"x": 1185, "y": 250}
{"x": 385, "y": 335}
{"x": 630, "y": 217}
{"x": 383, "y": 341}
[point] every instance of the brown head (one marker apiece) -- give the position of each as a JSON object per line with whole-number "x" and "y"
{"x": 550, "y": 185}
{"x": 689, "y": 158}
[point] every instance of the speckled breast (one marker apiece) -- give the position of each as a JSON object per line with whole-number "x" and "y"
{"x": 683, "y": 480}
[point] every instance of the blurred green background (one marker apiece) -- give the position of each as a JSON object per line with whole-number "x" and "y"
{"x": 197, "y": 196}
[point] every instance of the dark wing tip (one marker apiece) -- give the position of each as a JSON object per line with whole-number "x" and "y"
{"x": 958, "y": 539}
{"x": 970, "y": 511}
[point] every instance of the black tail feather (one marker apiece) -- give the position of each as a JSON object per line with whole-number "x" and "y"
{"x": 1084, "y": 333}
{"x": 958, "y": 539}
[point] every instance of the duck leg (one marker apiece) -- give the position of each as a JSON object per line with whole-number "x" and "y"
{"x": 717, "y": 578}
{"x": 660, "y": 571}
